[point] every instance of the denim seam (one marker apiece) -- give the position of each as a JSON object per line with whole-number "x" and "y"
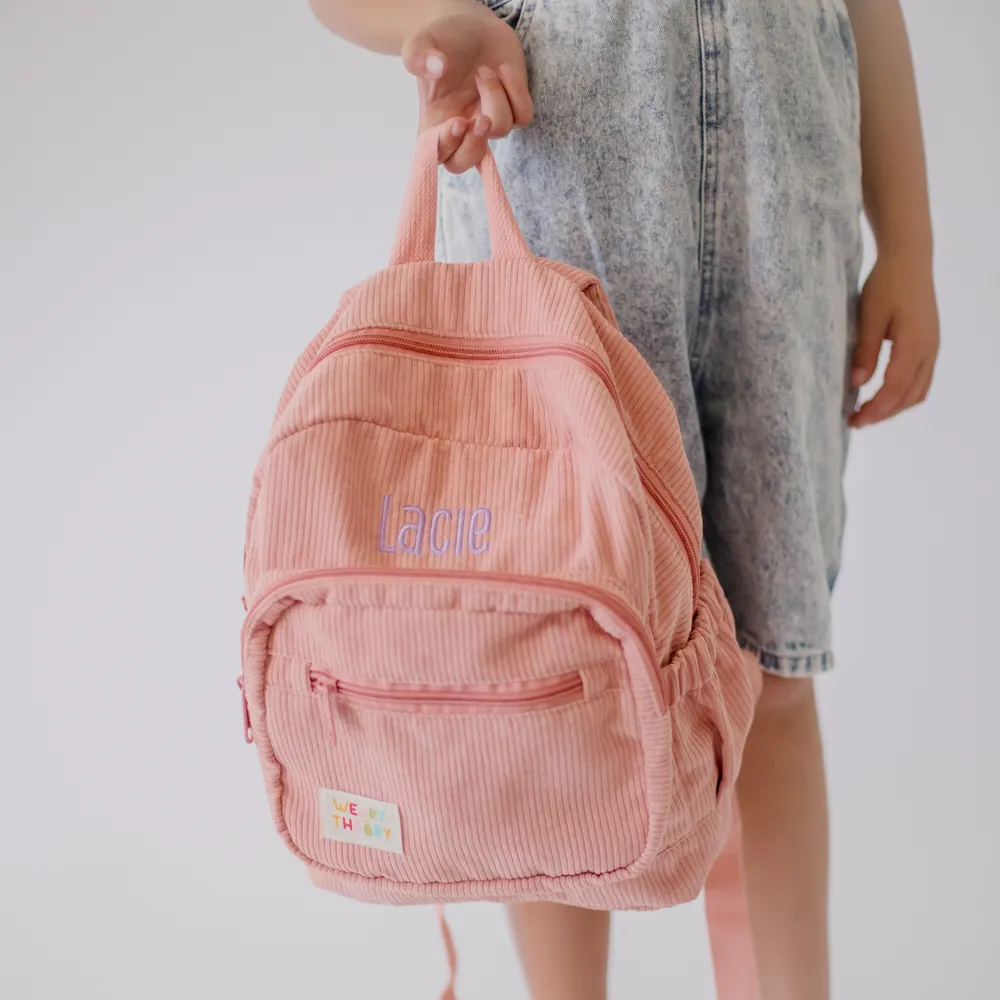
{"x": 805, "y": 663}
{"x": 708, "y": 48}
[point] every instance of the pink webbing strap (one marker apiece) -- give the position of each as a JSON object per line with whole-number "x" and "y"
{"x": 449, "y": 947}
{"x": 726, "y": 908}
{"x": 418, "y": 221}
{"x": 729, "y": 920}
{"x": 728, "y": 925}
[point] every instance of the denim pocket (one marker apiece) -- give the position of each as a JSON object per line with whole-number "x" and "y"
{"x": 516, "y": 13}
{"x": 847, "y": 47}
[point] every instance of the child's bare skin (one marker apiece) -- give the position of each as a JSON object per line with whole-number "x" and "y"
{"x": 898, "y": 303}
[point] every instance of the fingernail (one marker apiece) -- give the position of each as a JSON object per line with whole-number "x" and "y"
{"x": 458, "y": 128}
{"x": 482, "y": 126}
{"x": 485, "y": 73}
{"x": 434, "y": 65}
{"x": 505, "y": 70}
{"x": 858, "y": 377}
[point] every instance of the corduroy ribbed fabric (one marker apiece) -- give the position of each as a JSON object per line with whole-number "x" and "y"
{"x": 475, "y": 592}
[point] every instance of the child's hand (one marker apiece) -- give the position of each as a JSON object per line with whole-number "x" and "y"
{"x": 897, "y": 304}
{"x": 471, "y": 74}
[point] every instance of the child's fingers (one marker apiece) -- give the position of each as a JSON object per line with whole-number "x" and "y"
{"x": 422, "y": 57}
{"x": 450, "y": 137}
{"x": 516, "y": 85}
{"x": 927, "y": 382}
{"x": 873, "y": 324}
{"x": 473, "y": 147}
{"x": 921, "y": 383}
{"x": 899, "y": 378}
{"x": 918, "y": 390}
{"x": 493, "y": 101}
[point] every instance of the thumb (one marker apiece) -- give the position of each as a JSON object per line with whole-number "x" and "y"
{"x": 421, "y": 56}
{"x": 873, "y": 325}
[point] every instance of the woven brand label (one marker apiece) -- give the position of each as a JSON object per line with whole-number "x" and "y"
{"x": 353, "y": 819}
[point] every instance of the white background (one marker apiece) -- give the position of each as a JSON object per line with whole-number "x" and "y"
{"x": 185, "y": 189}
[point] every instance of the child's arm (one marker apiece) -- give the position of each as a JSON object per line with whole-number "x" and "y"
{"x": 898, "y": 302}
{"x": 468, "y": 63}
{"x": 381, "y": 25}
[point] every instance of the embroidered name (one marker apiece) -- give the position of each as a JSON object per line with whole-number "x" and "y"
{"x": 445, "y": 532}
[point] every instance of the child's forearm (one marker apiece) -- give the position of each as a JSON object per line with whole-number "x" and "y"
{"x": 892, "y": 146}
{"x": 383, "y": 25}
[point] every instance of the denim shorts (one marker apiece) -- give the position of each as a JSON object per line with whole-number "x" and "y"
{"x": 702, "y": 158}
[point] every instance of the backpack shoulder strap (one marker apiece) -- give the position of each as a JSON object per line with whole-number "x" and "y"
{"x": 728, "y": 925}
{"x": 729, "y": 920}
{"x": 450, "y": 952}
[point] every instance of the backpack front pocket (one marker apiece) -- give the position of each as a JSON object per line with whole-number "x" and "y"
{"x": 457, "y": 737}
{"x": 485, "y": 782}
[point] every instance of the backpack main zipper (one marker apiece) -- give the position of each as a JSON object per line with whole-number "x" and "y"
{"x": 422, "y": 344}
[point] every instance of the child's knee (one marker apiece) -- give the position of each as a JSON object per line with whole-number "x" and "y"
{"x": 784, "y": 694}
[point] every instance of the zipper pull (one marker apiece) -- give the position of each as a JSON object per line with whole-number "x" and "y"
{"x": 247, "y": 727}
{"x": 327, "y": 686}
{"x": 332, "y": 706}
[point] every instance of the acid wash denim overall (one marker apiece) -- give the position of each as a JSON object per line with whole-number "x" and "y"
{"x": 702, "y": 158}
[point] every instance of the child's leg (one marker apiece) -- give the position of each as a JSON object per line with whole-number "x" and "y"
{"x": 782, "y": 795}
{"x": 563, "y": 949}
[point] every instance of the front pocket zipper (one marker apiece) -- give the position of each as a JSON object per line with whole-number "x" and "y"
{"x": 524, "y": 696}
{"x": 494, "y": 350}
{"x": 281, "y": 591}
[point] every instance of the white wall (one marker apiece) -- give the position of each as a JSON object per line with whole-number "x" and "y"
{"x": 185, "y": 188}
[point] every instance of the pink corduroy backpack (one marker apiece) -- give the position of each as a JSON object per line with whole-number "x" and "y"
{"x": 483, "y": 658}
